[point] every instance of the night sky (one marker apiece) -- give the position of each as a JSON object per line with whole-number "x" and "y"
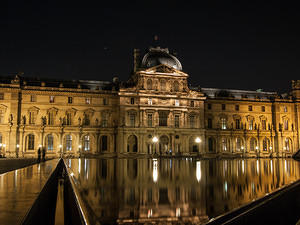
{"x": 221, "y": 44}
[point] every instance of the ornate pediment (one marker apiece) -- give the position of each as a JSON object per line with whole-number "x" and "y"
{"x": 52, "y": 110}
{"x": 3, "y": 108}
{"x": 165, "y": 69}
{"x": 33, "y": 109}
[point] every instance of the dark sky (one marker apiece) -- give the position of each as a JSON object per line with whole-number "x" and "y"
{"x": 222, "y": 44}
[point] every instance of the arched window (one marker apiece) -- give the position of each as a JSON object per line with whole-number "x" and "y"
{"x": 149, "y": 84}
{"x": 253, "y": 144}
{"x": 239, "y": 144}
{"x": 211, "y": 144}
{"x": 30, "y": 142}
{"x": 68, "y": 142}
{"x": 103, "y": 143}
{"x": 176, "y": 86}
{"x": 86, "y": 143}
{"x": 288, "y": 144}
{"x": 132, "y": 143}
{"x": 223, "y": 123}
{"x": 162, "y": 85}
{"x": 49, "y": 143}
{"x": 266, "y": 144}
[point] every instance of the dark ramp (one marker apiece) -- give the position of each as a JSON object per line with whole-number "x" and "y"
{"x": 280, "y": 208}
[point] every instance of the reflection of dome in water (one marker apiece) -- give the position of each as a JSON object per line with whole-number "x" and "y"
{"x": 158, "y": 56}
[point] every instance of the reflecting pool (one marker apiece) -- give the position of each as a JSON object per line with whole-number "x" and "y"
{"x": 175, "y": 190}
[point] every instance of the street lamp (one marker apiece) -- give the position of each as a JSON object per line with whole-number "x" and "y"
{"x": 198, "y": 141}
{"x": 154, "y": 140}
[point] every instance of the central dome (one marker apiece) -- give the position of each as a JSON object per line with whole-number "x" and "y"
{"x": 157, "y": 56}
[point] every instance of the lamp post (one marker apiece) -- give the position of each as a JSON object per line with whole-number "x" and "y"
{"x": 154, "y": 140}
{"x": 198, "y": 141}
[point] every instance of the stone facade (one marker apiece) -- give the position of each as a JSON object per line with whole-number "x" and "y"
{"x": 155, "y": 111}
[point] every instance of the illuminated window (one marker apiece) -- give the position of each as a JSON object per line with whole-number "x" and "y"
{"x": 86, "y": 143}
{"x": 176, "y": 102}
{"x": 32, "y": 116}
{"x": 223, "y": 123}
{"x": 285, "y": 109}
{"x": 70, "y": 100}
{"x": 176, "y": 121}
{"x": 51, "y": 99}
{"x": 51, "y": 118}
{"x": 68, "y": 142}
{"x": 32, "y": 98}
{"x": 149, "y": 101}
{"x": 286, "y": 124}
{"x": 30, "y": 142}
{"x": 87, "y": 100}
{"x": 263, "y": 125}
{"x": 50, "y": 142}
{"x": 251, "y": 124}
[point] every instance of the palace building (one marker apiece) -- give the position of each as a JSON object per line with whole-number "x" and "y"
{"x": 155, "y": 112}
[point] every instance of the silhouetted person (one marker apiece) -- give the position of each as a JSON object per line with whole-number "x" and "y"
{"x": 39, "y": 155}
{"x": 43, "y": 154}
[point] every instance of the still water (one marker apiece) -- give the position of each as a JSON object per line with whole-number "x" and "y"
{"x": 174, "y": 190}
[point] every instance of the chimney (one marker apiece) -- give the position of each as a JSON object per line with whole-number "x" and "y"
{"x": 136, "y": 55}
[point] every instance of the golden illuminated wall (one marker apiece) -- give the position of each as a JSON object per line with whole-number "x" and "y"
{"x": 155, "y": 102}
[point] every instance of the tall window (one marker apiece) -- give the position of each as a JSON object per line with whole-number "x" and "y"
{"x": 1, "y": 116}
{"x": 30, "y": 143}
{"x": 162, "y": 85}
{"x": 237, "y": 124}
{"x": 263, "y": 125}
{"x": 288, "y": 144}
{"x": 266, "y": 144}
{"x": 237, "y": 107}
{"x": 149, "y": 101}
{"x": 224, "y": 144}
{"x": 176, "y": 121}
{"x": 69, "y": 118}
{"x": 31, "y": 117}
{"x": 176, "y": 102}
{"x": 1, "y": 96}
{"x": 132, "y": 101}
{"x": 238, "y": 144}
{"x": 250, "y": 108}
{"x": 33, "y": 98}
{"x": 192, "y": 103}
{"x": 49, "y": 142}
{"x": 149, "y": 84}
{"x": 150, "y": 120}
{"x": 223, "y": 123}
{"x": 209, "y": 106}
{"x": 251, "y": 124}
{"x": 86, "y": 143}
{"x": 286, "y": 124}
{"x": 51, "y": 116}
{"x": 176, "y": 86}
{"x": 104, "y": 119}
{"x": 223, "y": 107}
{"x": 87, "y": 100}
{"x": 103, "y": 143}
{"x": 105, "y": 101}
{"x": 253, "y": 144}
{"x": 132, "y": 119}
{"x": 263, "y": 108}
{"x": 68, "y": 142}
{"x": 285, "y": 109}
{"x": 70, "y": 100}
{"x": 86, "y": 120}
{"x": 163, "y": 119}
{"x": 192, "y": 121}
{"x": 209, "y": 123}
{"x": 51, "y": 99}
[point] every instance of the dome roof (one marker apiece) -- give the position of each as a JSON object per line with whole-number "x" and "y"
{"x": 157, "y": 56}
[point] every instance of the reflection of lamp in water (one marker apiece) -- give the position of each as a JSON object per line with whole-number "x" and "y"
{"x": 198, "y": 171}
{"x": 177, "y": 212}
{"x": 155, "y": 172}
{"x": 149, "y": 213}
{"x": 154, "y": 140}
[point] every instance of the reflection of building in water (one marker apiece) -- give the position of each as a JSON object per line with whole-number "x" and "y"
{"x": 156, "y": 103}
{"x": 146, "y": 190}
